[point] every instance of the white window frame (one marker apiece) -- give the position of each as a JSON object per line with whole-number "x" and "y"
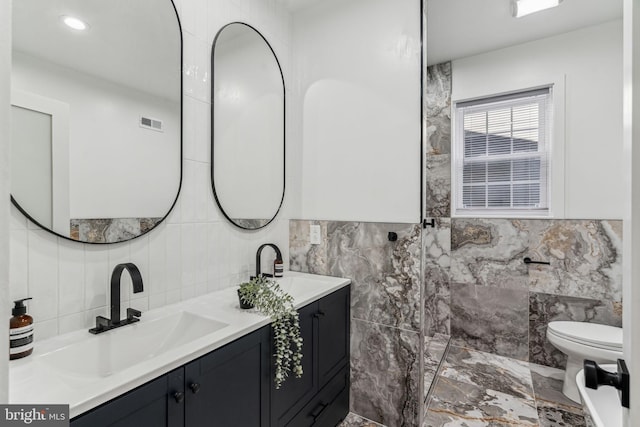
{"x": 554, "y": 138}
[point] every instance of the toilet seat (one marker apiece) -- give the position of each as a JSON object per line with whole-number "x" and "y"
{"x": 588, "y": 334}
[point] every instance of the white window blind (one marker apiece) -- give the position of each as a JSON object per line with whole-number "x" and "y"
{"x": 501, "y": 154}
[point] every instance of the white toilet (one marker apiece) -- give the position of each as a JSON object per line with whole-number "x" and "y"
{"x": 579, "y": 341}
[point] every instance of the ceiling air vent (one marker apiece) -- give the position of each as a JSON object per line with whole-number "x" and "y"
{"x": 149, "y": 123}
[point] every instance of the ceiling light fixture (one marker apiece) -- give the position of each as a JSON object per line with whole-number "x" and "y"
{"x": 526, "y": 7}
{"x": 74, "y": 23}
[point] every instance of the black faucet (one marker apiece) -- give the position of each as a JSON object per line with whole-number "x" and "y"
{"x": 102, "y": 323}
{"x": 278, "y": 257}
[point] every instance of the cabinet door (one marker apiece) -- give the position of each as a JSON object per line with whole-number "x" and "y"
{"x": 333, "y": 334}
{"x": 230, "y": 387}
{"x": 296, "y": 392}
{"x": 159, "y": 403}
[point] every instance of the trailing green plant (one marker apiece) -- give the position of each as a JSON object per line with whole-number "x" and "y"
{"x": 271, "y": 300}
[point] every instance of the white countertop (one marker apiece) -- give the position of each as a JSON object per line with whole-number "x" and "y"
{"x": 33, "y": 382}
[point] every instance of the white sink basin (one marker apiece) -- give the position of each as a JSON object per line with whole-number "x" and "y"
{"x": 110, "y": 352}
{"x": 603, "y": 404}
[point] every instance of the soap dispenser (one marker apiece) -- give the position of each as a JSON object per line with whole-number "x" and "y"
{"x": 20, "y": 331}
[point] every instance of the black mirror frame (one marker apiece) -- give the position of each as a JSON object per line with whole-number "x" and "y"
{"x": 30, "y": 218}
{"x": 284, "y": 127}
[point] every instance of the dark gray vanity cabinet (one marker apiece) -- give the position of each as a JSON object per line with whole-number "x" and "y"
{"x": 233, "y": 385}
{"x": 322, "y": 394}
{"x": 230, "y": 386}
{"x": 157, "y": 403}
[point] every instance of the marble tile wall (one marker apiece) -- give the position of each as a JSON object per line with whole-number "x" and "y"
{"x": 511, "y": 303}
{"x": 437, "y": 109}
{"x": 110, "y": 230}
{"x": 385, "y": 296}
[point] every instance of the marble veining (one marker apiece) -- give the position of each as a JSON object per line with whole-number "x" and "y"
{"x": 438, "y": 185}
{"x": 384, "y": 373}
{"x": 490, "y": 319}
{"x": 386, "y": 323}
{"x": 480, "y": 389}
{"x": 385, "y": 274}
{"x": 435, "y": 349}
{"x": 545, "y": 308}
{"x": 489, "y": 252}
{"x": 355, "y": 420}
{"x": 438, "y": 108}
{"x": 547, "y": 386}
{"x": 554, "y": 408}
{"x": 585, "y": 258}
{"x": 459, "y": 403}
{"x": 109, "y": 230}
{"x": 436, "y": 269}
{"x": 250, "y": 223}
{"x": 303, "y": 256}
{"x": 502, "y": 374}
{"x": 438, "y": 141}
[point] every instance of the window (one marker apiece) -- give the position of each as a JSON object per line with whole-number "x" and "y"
{"x": 501, "y": 154}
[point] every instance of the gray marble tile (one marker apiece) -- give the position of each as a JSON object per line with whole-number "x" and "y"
{"x": 489, "y": 252}
{"x": 494, "y": 320}
{"x": 436, "y": 268}
{"x": 110, "y": 230}
{"x": 457, "y": 403}
{"x": 384, "y": 373}
{"x": 547, "y": 386}
{"x": 493, "y": 372}
{"x": 438, "y": 109}
{"x": 557, "y": 417}
{"x": 545, "y": 308}
{"x": 438, "y": 185}
{"x": 385, "y": 274}
{"x": 585, "y": 256}
{"x": 435, "y": 349}
{"x": 355, "y": 420}
{"x": 250, "y": 223}
{"x": 303, "y": 256}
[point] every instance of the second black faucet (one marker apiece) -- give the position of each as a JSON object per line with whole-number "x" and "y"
{"x": 277, "y": 266}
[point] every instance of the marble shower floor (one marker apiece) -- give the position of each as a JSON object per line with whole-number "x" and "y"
{"x": 476, "y": 389}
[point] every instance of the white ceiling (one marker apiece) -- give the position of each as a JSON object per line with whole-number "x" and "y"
{"x": 134, "y": 43}
{"x": 460, "y": 28}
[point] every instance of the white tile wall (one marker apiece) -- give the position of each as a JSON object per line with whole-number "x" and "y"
{"x": 195, "y": 250}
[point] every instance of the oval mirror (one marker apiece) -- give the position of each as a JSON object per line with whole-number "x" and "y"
{"x": 248, "y": 122}
{"x": 96, "y": 115}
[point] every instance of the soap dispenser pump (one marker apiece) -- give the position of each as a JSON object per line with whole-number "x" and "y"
{"x": 20, "y": 331}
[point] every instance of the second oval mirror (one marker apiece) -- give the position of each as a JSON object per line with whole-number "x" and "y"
{"x": 248, "y": 146}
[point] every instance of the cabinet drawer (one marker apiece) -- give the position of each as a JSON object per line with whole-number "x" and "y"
{"x": 332, "y": 402}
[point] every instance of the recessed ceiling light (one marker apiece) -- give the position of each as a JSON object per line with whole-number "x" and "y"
{"x": 74, "y": 23}
{"x": 526, "y": 7}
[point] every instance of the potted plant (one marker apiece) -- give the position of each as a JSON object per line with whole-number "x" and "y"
{"x": 267, "y": 296}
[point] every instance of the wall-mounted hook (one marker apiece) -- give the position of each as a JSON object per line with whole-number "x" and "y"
{"x": 393, "y": 236}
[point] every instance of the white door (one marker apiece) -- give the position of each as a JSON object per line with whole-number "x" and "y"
{"x": 40, "y": 159}
{"x": 31, "y": 175}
